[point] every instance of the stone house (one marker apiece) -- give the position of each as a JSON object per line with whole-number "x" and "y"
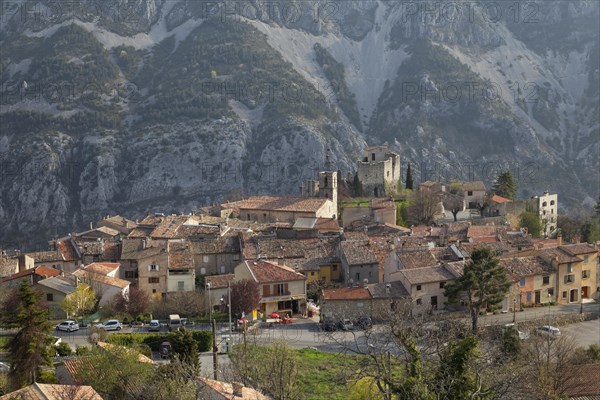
{"x": 534, "y": 282}
{"x": 8, "y": 265}
{"x": 32, "y": 276}
{"x": 425, "y": 286}
{"x": 474, "y": 193}
{"x": 380, "y": 211}
{"x": 217, "y": 288}
{"x": 105, "y": 287}
{"x": 216, "y": 256}
{"x": 118, "y": 223}
{"x": 407, "y": 258}
{"x": 379, "y": 171}
{"x": 359, "y": 264}
{"x": 54, "y": 290}
{"x": 282, "y": 288}
{"x": 576, "y": 267}
{"x": 283, "y": 209}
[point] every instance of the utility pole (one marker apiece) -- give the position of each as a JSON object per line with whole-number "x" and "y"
{"x": 215, "y": 349}
{"x": 209, "y": 302}
{"x": 514, "y": 310}
{"x": 229, "y": 303}
{"x": 581, "y": 301}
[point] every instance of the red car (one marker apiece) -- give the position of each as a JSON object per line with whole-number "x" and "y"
{"x": 273, "y": 315}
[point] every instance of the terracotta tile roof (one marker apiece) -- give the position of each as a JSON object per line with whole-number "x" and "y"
{"x": 499, "y": 247}
{"x": 45, "y": 256}
{"x": 380, "y": 290}
{"x": 327, "y": 225}
{"x": 40, "y": 271}
{"x": 59, "y": 283}
{"x": 67, "y": 249}
{"x": 219, "y": 281}
{"x": 102, "y": 231}
{"x": 222, "y": 245}
{"x": 106, "y": 280}
{"x": 577, "y": 249}
{"x": 416, "y": 259}
{"x": 560, "y": 255}
{"x": 519, "y": 267}
{"x": 347, "y": 294}
{"x": 274, "y": 248}
{"x": 180, "y": 256}
{"x": 202, "y": 230}
{"x": 43, "y": 391}
{"x": 457, "y": 231}
{"x": 485, "y": 239}
{"x": 473, "y": 186}
{"x": 481, "y": 230}
{"x": 111, "y": 251}
{"x": 103, "y": 268}
{"x": 225, "y": 390}
{"x": 583, "y": 380}
{"x": 151, "y": 220}
{"x": 499, "y": 199}
{"x": 90, "y": 248}
{"x": 267, "y": 272}
{"x": 121, "y": 221}
{"x": 147, "y": 252}
{"x": 357, "y": 252}
{"x": 427, "y": 275}
{"x": 167, "y": 228}
{"x": 140, "y": 232}
{"x": 381, "y": 246}
{"x": 130, "y": 245}
{"x": 278, "y": 203}
{"x": 355, "y": 235}
{"x": 544, "y": 243}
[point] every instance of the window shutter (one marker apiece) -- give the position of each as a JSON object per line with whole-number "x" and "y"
{"x": 266, "y": 290}
{"x": 150, "y": 267}
{"x": 286, "y": 288}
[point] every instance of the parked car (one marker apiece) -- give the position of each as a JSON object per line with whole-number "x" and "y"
{"x": 329, "y": 326}
{"x": 364, "y": 322}
{"x": 154, "y": 326}
{"x": 174, "y": 322}
{"x": 4, "y": 367}
{"x": 111, "y": 325}
{"x": 165, "y": 349}
{"x": 346, "y": 325}
{"x": 549, "y": 330}
{"x": 67, "y": 326}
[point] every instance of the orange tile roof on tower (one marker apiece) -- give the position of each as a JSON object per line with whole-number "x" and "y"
{"x": 102, "y": 268}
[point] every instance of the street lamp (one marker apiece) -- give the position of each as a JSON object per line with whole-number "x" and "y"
{"x": 514, "y": 309}
{"x": 581, "y": 301}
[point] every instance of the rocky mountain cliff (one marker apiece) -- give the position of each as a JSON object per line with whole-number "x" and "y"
{"x": 168, "y": 105}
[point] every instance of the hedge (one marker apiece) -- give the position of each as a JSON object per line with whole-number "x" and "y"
{"x": 153, "y": 340}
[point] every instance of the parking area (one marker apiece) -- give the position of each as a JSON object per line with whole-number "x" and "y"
{"x": 584, "y": 333}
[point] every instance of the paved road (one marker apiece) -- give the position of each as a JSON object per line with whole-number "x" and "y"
{"x": 584, "y": 333}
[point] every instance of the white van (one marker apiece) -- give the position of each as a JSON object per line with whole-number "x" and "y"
{"x": 174, "y": 322}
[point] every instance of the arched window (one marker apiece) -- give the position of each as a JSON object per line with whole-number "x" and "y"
{"x": 544, "y": 204}
{"x": 551, "y": 202}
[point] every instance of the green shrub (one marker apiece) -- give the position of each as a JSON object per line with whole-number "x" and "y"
{"x": 47, "y": 376}
{"x": 204, "y": 339}
{"x": 82, "y": 350}
{"x": 63, "y": 349}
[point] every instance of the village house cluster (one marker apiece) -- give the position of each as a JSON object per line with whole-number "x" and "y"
{"x": 288, "y": 244}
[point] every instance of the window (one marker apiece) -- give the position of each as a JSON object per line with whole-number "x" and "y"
{"x": 419, "y": 302}
{"x": 551, "y": 202}
{"x": 153, "y": 279}
{"x": 545, "y": 280}
{"x": 325, "y": 181}
{"x": 373, "y": 156}
{"x": 528, "y": 296}
{"x": 131, "y": 274}
{"x": 442, "y": 284}
{"x": 569, "y": 278}
{"x": 180, "y": 285}
{"x": 569, "y": 267}
{"x": 388, "y": 174}
{"x": 334, "y": 268}
{"x": 470, "y": 193}
{"x": 585, "y": 274}
{"x": 153, "y": 291}
{"x": 205, "y": 259}
{"x": 544, "y": 204}
{"x": 522, "y": 282}
{"x": 358, "y": 277}
{"x": 235, "y": 257}
{"x": 152, "y": 267}
{"x": 202, "y": 271}
{"x": 312, "y": 273}
{"x": 550, "y": 292}
{"x": 418, "y": 287}
{"x": 280, "y": 289}
{"x": 222, "y": 269}
{"x": 564, "y": 294}
{"x": 586, "y": 259}
{"x": 49, "y": 297}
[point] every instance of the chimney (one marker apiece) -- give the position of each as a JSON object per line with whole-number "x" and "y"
{"x": 559, "y": 238}
{"x": 91, "y": 225}
{"x": 237, "y": 389}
